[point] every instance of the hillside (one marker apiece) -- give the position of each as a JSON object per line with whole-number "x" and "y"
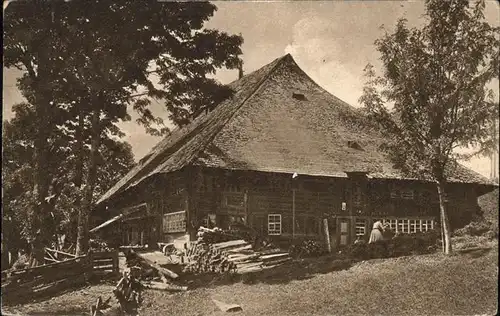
{"x": 463, "y": 284}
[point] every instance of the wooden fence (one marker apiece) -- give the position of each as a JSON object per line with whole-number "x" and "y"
{"x": 104, "y": 261}
{"x": 28, "y": 284}
{"x": 45, "y": 280}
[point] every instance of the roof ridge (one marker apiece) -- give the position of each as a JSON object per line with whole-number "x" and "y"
{"x": 257, "y": 87}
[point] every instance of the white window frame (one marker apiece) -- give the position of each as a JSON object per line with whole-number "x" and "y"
{"x": 409, "y": 225}
{"x": 414, "y": 225}
{"x": 395, "y": 194}
{"x": 407, "y": 194}
{"x": 393, "y": 224}
{"x": 177, "y": 226}
{"x": 274, "y": 224}
{"x": 360, "y": 227}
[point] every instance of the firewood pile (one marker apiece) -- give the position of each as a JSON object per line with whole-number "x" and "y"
{"x": 212, "y": 236}
{"x": 203, "y": 258}
{"x": 231, "y": 256}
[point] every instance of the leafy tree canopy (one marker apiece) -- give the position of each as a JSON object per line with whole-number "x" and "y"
{"x": 436, "y": 78}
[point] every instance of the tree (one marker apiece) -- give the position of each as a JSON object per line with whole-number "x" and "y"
{"x": 18, "y": 134}
{"x": 436, "y": 78}
{"x": 93, "y": 59}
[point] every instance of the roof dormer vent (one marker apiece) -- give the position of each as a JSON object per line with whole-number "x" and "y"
{"x": 299, "y": 96}
{"x": 354, "y": 145}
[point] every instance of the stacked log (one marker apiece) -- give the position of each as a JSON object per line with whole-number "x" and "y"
{"x": 235, "y": 256}
{"x": 203, "y": 258}
{"x": 212, "y": 236}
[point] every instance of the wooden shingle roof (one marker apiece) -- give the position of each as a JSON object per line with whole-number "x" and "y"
{"x": 278, "y": 120}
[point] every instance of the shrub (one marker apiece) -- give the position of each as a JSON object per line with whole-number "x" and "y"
{"x": 477, "y": 228}
{"x": 399, "y": 245}
{"x": 492, "y": 234}
{"x": 307, "y": 248}
{"x": 21, "y": 262}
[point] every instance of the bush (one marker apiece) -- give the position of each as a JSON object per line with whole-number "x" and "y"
{"x": 492, "y": 234}
{"x": 478, "y": 228}
{"x": 399, "y": 245}
{"x": 307, "y": 248}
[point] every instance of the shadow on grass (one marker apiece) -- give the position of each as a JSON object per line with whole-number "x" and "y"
{"x": 109, "y": 279}
{"x": 60, "y": 312}
{"x": 301, "y": 269}
{"x": 21, "y": 299}
{"x": 475, "y": 252}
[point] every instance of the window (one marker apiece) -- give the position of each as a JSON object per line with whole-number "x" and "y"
{"x": 407, "y": 194}
{"x": 404, "y": 226}
{"x": 360, "y": 227}
{"x": 233, "y": 188}
{"x": 402, "y": 194}
{"x": 427, "y": 225}
{"x": 274, "y": 224}
{"x": 408, "y": 226}
{"x": 174, "y": 222}
{"x": 392, "y": 223}
{"x": 414, "y": 226}
{"x": 234, "y": 200}
{"x": 394, "y": 194}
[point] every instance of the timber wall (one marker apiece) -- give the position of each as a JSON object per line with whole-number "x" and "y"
{"x": 252, "y": 196}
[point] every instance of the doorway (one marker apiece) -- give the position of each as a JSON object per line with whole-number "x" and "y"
{"x": 344, "y": 231}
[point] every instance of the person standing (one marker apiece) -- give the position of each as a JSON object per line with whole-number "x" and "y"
{"x": 377, "y": 233}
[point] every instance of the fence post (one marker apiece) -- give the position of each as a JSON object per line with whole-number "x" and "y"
{"x": 89, "y": 265}
{"x": 116, "y": 269}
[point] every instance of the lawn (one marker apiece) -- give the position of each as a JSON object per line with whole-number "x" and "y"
{"x": 462, "y": 284}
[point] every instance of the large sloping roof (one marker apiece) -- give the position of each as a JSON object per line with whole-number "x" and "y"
{"x": 278, "y": 120}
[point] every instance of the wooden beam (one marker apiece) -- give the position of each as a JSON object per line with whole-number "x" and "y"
{"x": 293, "y": 213}
{"x": 62, "y": 252}
{"x": 162, "y": 270}
{"x": 245, "y": 205}
{"x": 327, "y": 235}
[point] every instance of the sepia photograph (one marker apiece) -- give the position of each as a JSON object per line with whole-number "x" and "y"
{"x": 280, "y": 158}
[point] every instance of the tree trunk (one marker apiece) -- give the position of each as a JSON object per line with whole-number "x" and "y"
{"x": 83, "y": 225}
{"x": 40, "y": 216}
{"x": 80, "y": 149}
{"x": 446, "y": 236}
{"x": 78, "y": 181}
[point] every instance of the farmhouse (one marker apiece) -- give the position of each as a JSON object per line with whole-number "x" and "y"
{"x": 281, "y": 156}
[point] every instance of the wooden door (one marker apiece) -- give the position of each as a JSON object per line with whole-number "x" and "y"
{"x": 344, "y": 231}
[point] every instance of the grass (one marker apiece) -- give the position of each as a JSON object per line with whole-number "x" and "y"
{"x": 461, "y": 284}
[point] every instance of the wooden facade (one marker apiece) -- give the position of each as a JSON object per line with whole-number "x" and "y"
{"x": 190, "y": 178}
{"x": 287, "y": 208}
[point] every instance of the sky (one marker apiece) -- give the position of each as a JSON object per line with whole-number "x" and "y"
{"x": 331, "y": 41}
